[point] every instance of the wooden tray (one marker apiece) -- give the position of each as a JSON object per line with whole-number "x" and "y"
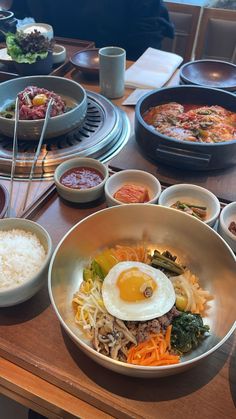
{"x": 71, "y": 45}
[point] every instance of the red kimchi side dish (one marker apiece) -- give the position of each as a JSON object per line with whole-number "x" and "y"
{"x": 132, "y": 194}
{"x": 196, "y": 123}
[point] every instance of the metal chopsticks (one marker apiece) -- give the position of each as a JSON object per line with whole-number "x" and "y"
{"x": 47, "y": 116}
{"x": 14, "y": 153}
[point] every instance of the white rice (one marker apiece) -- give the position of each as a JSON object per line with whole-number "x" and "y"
{"x": 21, "y": 257}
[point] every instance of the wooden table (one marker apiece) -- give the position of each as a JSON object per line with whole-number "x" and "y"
{"x": 37, "y": 357}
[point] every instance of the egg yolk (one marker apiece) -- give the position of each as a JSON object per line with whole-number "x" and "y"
{"x": 39, "y": 99}
{"x": 135, "y": 285}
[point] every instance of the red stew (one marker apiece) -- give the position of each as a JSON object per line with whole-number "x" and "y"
{"x": 81, "y": 178}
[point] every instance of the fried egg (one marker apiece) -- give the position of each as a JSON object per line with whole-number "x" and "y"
{"x": 137, "y": 291}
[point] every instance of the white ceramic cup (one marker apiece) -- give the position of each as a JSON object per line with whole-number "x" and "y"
{"x": 112, "y": 71}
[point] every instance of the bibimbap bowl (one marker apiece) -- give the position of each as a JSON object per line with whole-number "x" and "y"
{"x": 72, "y": 93}
{"x": 203, "y": 251}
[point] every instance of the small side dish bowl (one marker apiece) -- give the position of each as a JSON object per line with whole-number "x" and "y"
{"x": 137, "y": 178}
{"x": 14, "y": 291}
{"x": 228, "y": 216}
{"x": 87, "y": 61}
{"x": 195, "y": 195}
{"x": 58, "y": 54}
{"x": 4, "y": 199}
{"x": 75, "y": 193}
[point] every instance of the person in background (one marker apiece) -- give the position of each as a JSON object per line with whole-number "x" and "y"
{"x": 133, "y": 25}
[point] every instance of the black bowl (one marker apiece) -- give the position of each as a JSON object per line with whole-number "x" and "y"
{"x": 179, "y": 153}
{"x": 210, "y": 73}
{"x": 41, "y": 67}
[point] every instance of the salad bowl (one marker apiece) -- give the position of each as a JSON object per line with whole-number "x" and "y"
{"x": 203, "y": 251}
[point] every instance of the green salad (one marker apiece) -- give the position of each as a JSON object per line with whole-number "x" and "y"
{"x": 28, "y": 47}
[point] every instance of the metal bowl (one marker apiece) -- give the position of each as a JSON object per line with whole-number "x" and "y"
{"x": 57, "y": 125}
{"x": 203, "y": 251}
{"x": 179, "y": 153}
{"x": 211, "y": 73}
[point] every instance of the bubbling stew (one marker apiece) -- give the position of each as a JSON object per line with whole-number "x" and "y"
{"x": 195, "y": 123}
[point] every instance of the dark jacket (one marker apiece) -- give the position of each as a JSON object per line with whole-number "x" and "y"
{"x": 132, "y": 24}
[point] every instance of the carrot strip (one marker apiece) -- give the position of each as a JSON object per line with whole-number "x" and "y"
{"x": 153, "y": 352}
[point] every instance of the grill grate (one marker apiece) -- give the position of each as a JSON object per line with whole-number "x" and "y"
{"x": 103, "y": 133}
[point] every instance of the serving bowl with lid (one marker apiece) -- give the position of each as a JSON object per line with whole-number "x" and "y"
{"x": 197, "y": 246}
{"x": 73, "y": 93}
{"x": 18, "y": 293}
{"x": 179, "y": 153}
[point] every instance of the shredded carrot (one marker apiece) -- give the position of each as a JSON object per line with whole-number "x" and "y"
{"x": 153, "y": 352}
{"x": 136, "y": 253}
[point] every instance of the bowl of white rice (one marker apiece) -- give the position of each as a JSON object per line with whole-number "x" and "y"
{"x": 25, "y": 252}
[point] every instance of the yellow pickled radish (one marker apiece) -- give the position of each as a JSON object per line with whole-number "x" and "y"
{"x": 181, "y": 302}
{"x": 39, "y": 99}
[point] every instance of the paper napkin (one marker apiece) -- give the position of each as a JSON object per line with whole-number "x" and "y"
{"x": 152, "y": 70}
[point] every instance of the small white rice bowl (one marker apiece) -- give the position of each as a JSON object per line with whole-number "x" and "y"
{"x": 25, "y": 250}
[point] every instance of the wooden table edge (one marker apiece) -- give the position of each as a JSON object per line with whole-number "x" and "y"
{"x": 41, "y": 396}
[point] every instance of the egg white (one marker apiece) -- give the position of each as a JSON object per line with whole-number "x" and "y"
{"x": 159, "y": 303}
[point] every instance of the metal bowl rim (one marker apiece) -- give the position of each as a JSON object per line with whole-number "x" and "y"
{"x": 105, "y": 358}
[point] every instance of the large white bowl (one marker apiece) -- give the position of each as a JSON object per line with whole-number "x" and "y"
{"x": 197, "y": 245}
{"x": 57, "y": 125}
{"x": 195, "y": 195}
{"x": 22, "y": 292}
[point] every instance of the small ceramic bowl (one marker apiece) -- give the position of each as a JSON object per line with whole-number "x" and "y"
{"x": 4, "y": 199}
{"x": 58, "y": 54}
{"x": 134, "y": 177}
{"x": 16, "y": 294}
{"x": 227, "y": 216}
{"x": 80, "y": 195}
{"x": 195, "y": 195}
